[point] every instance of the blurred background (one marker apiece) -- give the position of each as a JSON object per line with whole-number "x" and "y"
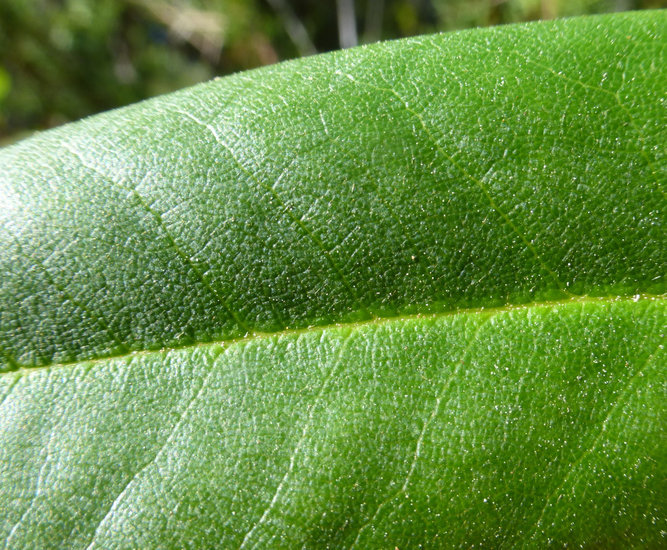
{"x": 61, "y": 60}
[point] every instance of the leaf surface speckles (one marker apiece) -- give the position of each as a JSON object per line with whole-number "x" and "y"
{"x": 405, "y": 295}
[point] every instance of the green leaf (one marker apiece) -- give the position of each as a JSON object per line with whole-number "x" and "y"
{"x": 406, "y": 295}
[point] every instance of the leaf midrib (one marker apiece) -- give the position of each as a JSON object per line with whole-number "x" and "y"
{"x": 353, "y": 325}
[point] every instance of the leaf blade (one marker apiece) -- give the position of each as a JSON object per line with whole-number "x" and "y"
{"x": 296, "y": 416}
{"x": 283, "y": 236}
{"x": 262, "y": 211}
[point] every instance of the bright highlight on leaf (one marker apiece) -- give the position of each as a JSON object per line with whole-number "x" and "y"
{"x": 405, "y": 295}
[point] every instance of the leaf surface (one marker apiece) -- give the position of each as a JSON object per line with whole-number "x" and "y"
{"x": 407, "y": 294}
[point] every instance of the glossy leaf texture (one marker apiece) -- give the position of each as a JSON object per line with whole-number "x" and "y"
{"x": 405, "y": 295}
